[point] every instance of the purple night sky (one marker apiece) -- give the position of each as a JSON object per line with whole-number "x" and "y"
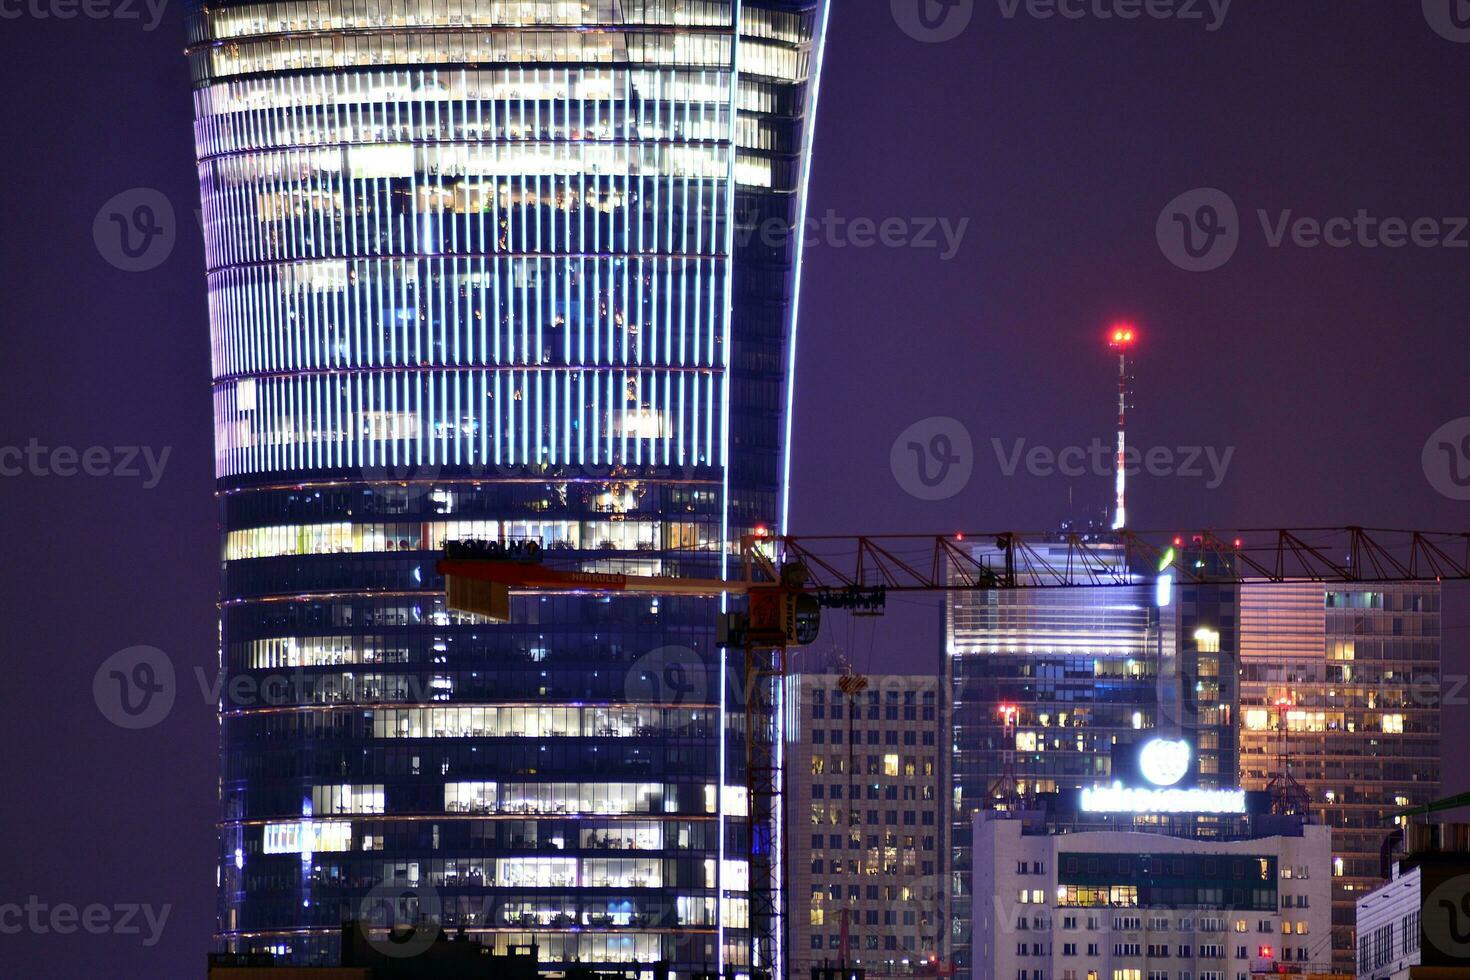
{"x": 1059, "y": 141}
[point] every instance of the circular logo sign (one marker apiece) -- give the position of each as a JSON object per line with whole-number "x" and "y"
{"x": 1164, "y": 761}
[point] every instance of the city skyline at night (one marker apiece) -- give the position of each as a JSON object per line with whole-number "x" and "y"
{"x": 304, "y": 293}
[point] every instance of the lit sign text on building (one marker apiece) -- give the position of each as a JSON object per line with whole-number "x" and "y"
{"x": 1120, "y": 799}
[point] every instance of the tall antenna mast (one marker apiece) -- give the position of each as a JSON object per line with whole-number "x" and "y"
{"x": 1121, "y": 338}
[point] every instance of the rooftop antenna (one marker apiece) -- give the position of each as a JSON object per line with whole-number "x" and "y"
{"x": 1287, "y": 794}
{"x": 1121, "y": 338}
{"x": 1005, "y": 792}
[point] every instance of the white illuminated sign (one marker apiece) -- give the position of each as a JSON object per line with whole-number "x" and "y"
{"x": 1120, "y": 799}
{"x": 1164, "y": 761}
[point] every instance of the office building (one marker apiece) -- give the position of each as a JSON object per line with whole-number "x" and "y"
{"x": 487, "y": 270}
{"x": 1340, "y": 691}
{"x": 867, "y": 770}
{"x": 1046, "y": 683}
{"x": 1043, "y": 681}
{"x": 1111, "y": 905}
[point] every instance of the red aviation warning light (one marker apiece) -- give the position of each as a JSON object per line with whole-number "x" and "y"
{"x": 1122, "y": 336}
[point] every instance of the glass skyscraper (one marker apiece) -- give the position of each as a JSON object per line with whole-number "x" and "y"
{"x": 1076, "y": 668}
{"x": 1340, "y": 688}
{"x": 497, "y": 269}
{"x": 1047, "y": 683}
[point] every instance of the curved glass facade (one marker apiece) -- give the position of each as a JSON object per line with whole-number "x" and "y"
{"x": 496, "y": 269}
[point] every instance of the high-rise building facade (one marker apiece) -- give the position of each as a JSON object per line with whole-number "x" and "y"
{"x": 1047, "y": 683}
{"x": 486, "y": 269}
{"x": 867, "y": 775}
{"x": 1043, "y": 682}
{"x": 1340, "y": 689}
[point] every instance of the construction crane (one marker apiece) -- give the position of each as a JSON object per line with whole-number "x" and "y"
{"x": 788, "y": 580}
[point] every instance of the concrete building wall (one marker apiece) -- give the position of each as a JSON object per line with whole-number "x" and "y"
{"x": 1025, "y": 930}
{"x": 867, "y": 778}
